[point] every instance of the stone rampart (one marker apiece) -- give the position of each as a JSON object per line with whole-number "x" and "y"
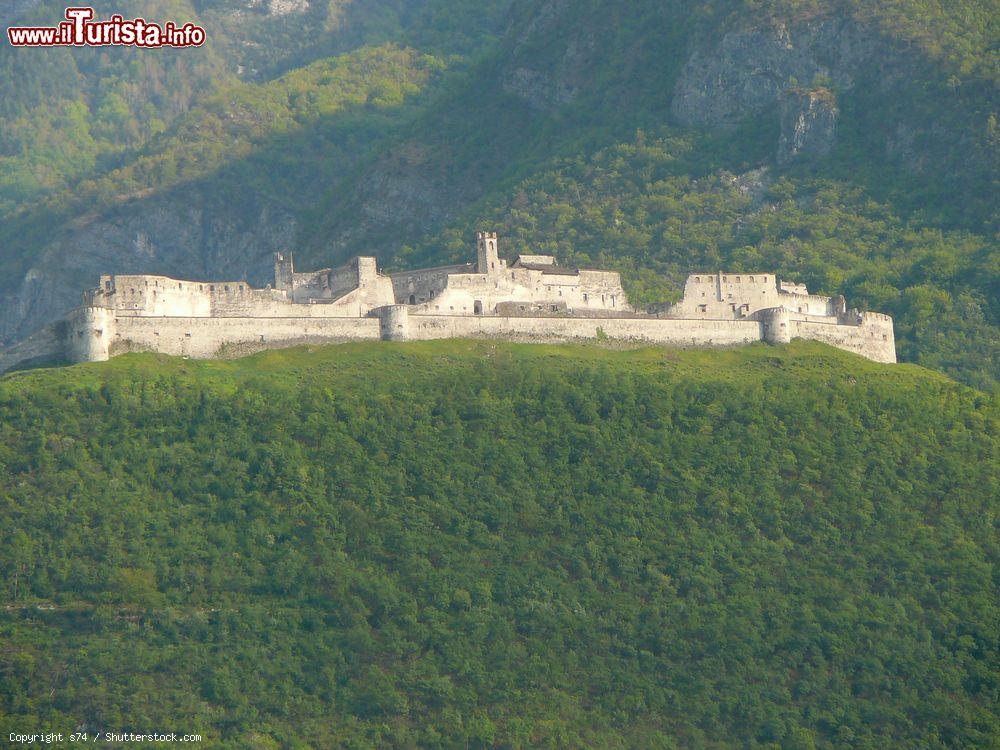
{"x": 675, "y": 332}
{"x": 872, "y": 337}
{"x": 213, "y": 337}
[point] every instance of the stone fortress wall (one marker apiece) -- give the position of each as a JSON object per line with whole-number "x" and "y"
{"x": 532, "y": 298}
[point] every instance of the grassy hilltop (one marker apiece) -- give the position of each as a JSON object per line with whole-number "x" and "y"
{"x": 470, "y": 544}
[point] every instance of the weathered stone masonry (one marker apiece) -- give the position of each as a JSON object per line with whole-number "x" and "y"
{"x": 532, "y": 299}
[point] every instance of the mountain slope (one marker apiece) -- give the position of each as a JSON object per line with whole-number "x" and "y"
{"x": 478, "y": 544}
{"x": 70, "y": 114}
{"x": 654, "y": 208}
{"x": 876, "y": 115}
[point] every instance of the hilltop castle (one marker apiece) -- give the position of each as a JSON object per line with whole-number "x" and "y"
{"x": 532, "y": 298}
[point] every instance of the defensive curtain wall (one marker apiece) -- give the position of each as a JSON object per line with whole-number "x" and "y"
{"x": 531, "y": 299}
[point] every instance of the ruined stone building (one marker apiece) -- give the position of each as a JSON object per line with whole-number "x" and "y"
{"x": 532, "y": 298}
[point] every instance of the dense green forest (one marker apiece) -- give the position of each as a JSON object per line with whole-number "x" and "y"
{"x": 68, "y": 115}
{"x": 485, "y": 545}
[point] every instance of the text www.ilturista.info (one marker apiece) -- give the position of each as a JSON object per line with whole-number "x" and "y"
{"x": 80, "y": 30}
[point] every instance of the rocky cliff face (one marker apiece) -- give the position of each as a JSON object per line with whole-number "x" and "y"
{"x": 808, "y": 124}
{"x": 794, "y": 69}
{"x": 284, "y": 7}
{"x": 548, "y": 56}
{"x": 392, "y": 201}
{"x": 748, "y": 70}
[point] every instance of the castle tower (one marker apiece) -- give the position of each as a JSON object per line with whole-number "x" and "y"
{"x": 89, "y": 332}
{"x": 777, "y": 325}
{"x": 488, "y": 258}
{"x": 283, "y": 271}
{"x": 394, "y": 322}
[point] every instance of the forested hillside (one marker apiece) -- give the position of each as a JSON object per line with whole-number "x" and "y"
{"x": 851, "y": 145}
{"x": 489, "y": 545}
{"x": 71, "y": 114}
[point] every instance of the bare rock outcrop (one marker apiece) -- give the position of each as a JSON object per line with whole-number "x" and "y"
{"x": 548, "y": 56}
{"x": 808, "y": 124}
{"x": 748, "y": 70}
